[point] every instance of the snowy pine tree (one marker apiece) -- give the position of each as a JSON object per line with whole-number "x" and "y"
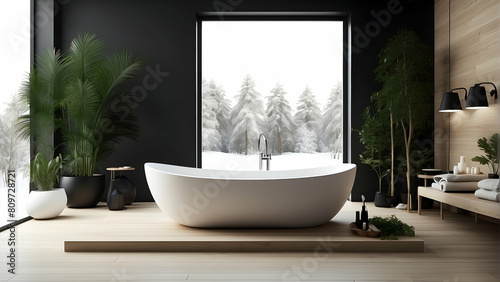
{"x": 305, "y": 140}
{"x": 307, "y": 120}
{"x": 248, "y": 118}
{"x": 279, "y": 116}
{"x": 330, "y": 128}
{"x": 222, "y": 112}
{"x": 211, "y": 138}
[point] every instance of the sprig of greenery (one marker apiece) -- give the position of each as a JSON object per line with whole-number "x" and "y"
{"x": 491, "y": 150}
{"x": 43, "y": 173}
{"x": 392, "y": 227}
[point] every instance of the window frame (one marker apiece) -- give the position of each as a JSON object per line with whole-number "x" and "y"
{"x": 279, "y": 16}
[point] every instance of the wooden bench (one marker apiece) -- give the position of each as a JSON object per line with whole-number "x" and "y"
{"x": 466, "y": 201}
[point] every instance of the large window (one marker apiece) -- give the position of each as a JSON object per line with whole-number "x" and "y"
{"x": 283, "y": 78}
{"x": 15, "y": 65}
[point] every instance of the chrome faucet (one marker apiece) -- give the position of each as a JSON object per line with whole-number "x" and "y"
{"x": 263, "y": 156}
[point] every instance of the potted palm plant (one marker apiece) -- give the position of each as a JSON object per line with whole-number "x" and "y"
{"x": 76, "y": 94}
{"x": 491, "y": 150}
{"x": 45, "y": 202}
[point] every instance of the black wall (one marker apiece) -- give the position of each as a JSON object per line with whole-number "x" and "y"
{"x": 165, "y": 33}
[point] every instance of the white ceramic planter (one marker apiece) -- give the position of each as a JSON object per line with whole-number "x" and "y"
{"x": 46, "y": 204}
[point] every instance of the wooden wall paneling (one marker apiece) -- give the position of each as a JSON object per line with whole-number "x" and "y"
{"x": 475, "y": 57}
{"x": 441, "y": 78}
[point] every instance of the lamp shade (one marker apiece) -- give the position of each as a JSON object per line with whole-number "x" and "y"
{"x": 450, "y": 103}
{"x": 477, "y": 98}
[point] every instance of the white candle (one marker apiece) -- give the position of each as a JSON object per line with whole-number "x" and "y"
{"x": 468, "y": 170}
{"x": 462, "y": 159}
{"x": 455, "y": 170}
{"x": 461, "y": 168}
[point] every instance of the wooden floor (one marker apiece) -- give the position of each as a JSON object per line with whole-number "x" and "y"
{"x": 456, "y": 249}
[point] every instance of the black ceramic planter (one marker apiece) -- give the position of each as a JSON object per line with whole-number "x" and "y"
{"x": 380, "y": 200}
{"x": 83, "y": 191}
{"x": 493, "y": 176}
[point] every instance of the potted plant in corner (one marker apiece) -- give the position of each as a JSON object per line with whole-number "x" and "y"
{"x": 78, "y": 94}
{"x": 91, "y": 122}
{"x": 45, "y": 202}
{"x": 491, "y": 150}
{"x": 374, "y": 136}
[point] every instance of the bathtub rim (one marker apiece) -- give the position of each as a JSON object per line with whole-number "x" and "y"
{"x": 199, "y": 173}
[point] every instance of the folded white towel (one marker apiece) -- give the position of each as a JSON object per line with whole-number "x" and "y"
{"x": 436, "y": 186}
{"x": 457, "y": 186}
{"x": 489, "y": 184}
{"x": 459, "y": 177}
{"x": 487, "y": 195}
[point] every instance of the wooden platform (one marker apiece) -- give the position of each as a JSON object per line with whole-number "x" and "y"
{"x": 144, "y": 228}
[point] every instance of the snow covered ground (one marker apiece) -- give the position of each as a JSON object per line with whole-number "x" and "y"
{"x": 286, "y": 161}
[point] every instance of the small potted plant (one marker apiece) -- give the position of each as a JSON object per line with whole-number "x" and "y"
{"x": 374, "y": 136}
{"x": 45, "y": 202}
{"x": 491, "y": 158}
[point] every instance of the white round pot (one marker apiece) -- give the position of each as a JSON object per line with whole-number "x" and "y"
{"x": 46, "y": 204}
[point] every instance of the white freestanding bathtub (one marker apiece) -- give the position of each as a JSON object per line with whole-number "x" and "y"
{"x": 255, "y": 199}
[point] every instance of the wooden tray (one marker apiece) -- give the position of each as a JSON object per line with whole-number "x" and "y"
{"x": 374, "y": 232}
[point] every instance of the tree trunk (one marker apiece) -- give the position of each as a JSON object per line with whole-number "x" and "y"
{"x": 392, "y": 156}
{"x": 408, "y": 137}
{"x": 246, "y": 143}
{"x": 279, "y": 142}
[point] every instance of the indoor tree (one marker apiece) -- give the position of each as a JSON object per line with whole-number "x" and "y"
{"x": 405, "y": 72}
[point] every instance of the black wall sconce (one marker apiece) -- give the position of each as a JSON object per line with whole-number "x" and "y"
{"x": 451, "y": 101}
{"x": 477, "y": 98}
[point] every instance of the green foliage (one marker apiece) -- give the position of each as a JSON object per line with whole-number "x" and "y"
{"x": 491, "y": 150}
{"x": 420, "y": 157}
{"x": 405, "y": 72}
{"x": 43, "y": 173}
{"x": 43, "y": 91}
{"x": 392, "y": 227}
{"x": 375, "y": 136}
{"x": 77, "y": 94}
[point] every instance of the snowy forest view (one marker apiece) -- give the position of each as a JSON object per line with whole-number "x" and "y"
{"x": 236, "y": 129}
{"x": 280, "y": 78}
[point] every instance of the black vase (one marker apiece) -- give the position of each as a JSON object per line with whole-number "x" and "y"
{"x": 83, "y": 191}
{"x": 380, "y": 200}
{"x": 127, "y": 188}
{"x": 493, "y": 176}
{"x": 115, "y": 200}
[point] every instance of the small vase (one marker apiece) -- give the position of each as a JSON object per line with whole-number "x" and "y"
{"x": 115, "y": 201}
{"x": 127, "y": 188}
